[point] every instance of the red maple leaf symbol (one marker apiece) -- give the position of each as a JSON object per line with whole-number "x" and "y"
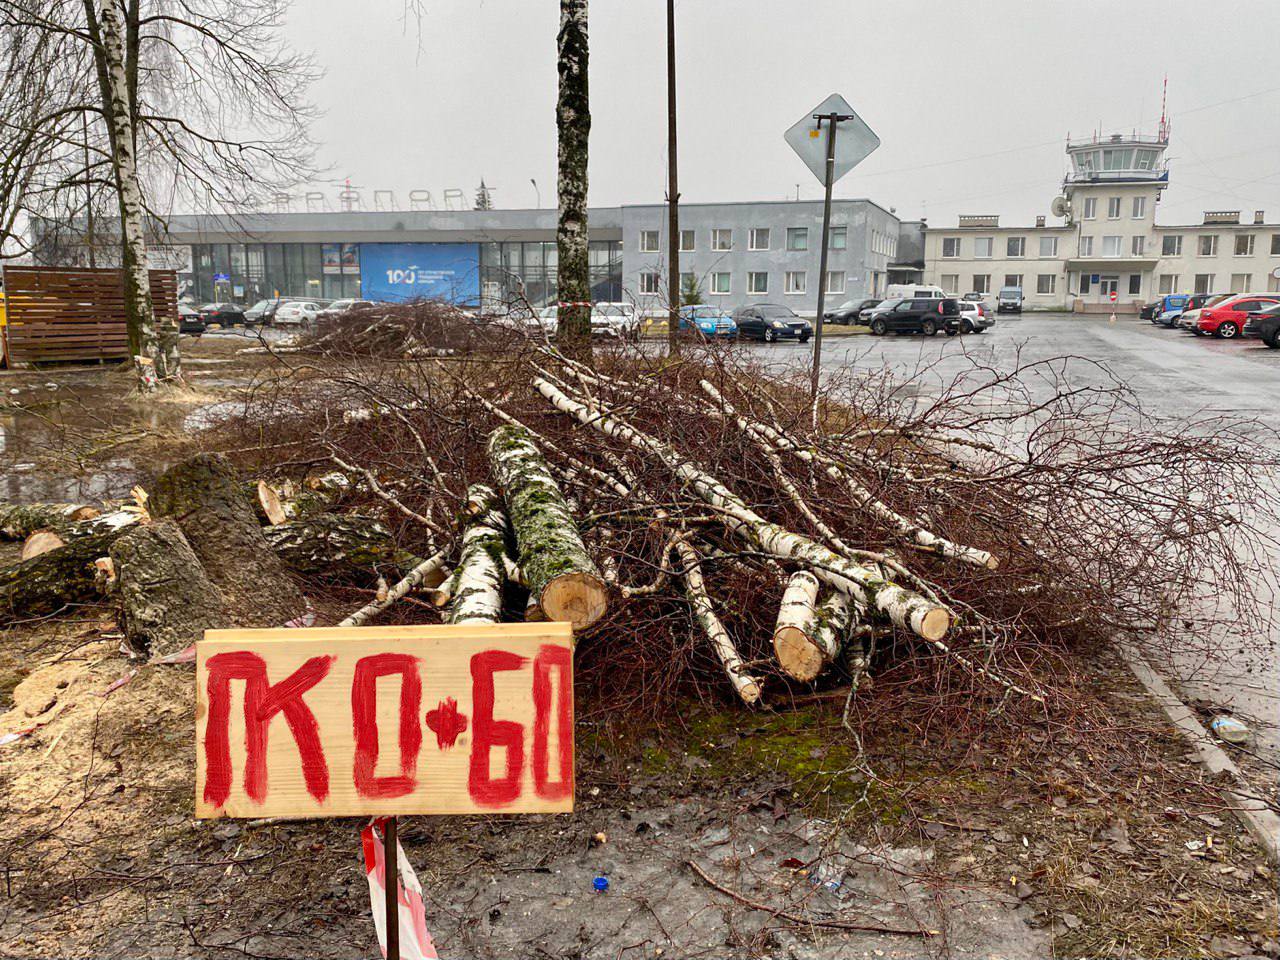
{"x": 446, "y": 722}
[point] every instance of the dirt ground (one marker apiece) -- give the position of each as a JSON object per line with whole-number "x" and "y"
{"x": 721, "y": 831}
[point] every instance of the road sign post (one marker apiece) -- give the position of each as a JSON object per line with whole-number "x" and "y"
{"x": 829, "y": 162}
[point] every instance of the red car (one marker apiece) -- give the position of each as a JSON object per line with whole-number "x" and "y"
{"x": 1227, "y": 319}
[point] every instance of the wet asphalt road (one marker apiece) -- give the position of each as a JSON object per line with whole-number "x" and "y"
{"x": 1172, "y": 374}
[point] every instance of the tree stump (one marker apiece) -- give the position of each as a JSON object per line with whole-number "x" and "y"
{"x": 207, "y": 500}
{"x": 167, "y": 599}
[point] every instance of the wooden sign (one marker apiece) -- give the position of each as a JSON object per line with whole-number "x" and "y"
{"x": 355, "y": 721}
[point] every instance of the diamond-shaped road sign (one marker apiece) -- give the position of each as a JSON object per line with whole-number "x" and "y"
{"x": 854, "y": 139}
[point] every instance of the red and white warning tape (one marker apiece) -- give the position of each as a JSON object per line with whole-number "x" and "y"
{"x": 415, "y": 941}
{"x": 575, "y": 303}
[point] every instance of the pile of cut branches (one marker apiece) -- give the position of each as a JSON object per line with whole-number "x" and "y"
{"x": 699, "y": 517}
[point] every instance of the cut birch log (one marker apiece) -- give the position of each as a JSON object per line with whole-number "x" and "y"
{"x": 269, "y": 505}
{"x": 19, "y": 520}
{"x": 167, "y": 600}
{"x": 744, "y": 684}
{"x": 904, "y": 607}
{"x": 415, "y": 578}
{"x": 207, "y": 500}
{"x": 552, "y": 557}
{"x": 42, "y": 541}
{"x": 805, "y": 646}
{"x": 903, "y": 526}
{"x": 340, "y": 546}
{"x": 796, "y": 627}
{"x": 476, "y": 586}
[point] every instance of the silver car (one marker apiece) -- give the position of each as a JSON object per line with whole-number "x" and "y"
{"x": 974, "y": 317}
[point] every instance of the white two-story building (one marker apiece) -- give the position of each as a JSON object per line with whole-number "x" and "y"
{"x": 1106, "y": 241}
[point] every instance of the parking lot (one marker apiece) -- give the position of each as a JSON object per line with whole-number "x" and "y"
{"x": 1172, "y": 374}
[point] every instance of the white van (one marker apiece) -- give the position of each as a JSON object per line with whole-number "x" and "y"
{"x": 913, "y": 291}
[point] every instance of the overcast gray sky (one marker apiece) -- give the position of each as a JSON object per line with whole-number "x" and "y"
{"x": 972, "y": 100}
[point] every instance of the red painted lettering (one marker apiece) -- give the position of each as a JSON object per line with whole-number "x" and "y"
{"x": 262, "y": 701}
{"x": 489, "y": 733}
{"x": 551, "y": 657}
{"x": 364, "y": 722}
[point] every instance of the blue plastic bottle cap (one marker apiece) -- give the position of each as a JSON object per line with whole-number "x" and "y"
{"x": 601, "y": 884}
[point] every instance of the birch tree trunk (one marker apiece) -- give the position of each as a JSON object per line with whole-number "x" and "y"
{"x": 573, "y": 128}
{"x": 746, "y": 685}
{"x": 553, "y": 559}
{"x": 19, "y": 520}
{"x": 476, "y": 587}
{"x": 154, "y": 351}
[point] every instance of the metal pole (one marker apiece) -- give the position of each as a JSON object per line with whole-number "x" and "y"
{"x": 391, "y": 880}
{"x": 832, "y": 120}
{"x": 673, "y": 195}
{"x": 88, "y": 194}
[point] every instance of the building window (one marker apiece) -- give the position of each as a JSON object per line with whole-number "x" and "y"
{"x": 1090, "y": 208}
{"x": 1013, "y": 280}
{"x": 1135, "y": 283}
{"x": 649, "y": 284}
{"x": 1275, "y": 244}
{"x": 1085, "y": 281}
{"x": 795, "y": 281}
{"x": 1048, "y": 246}
{"x": 835, "y": 281}
{"x": 1168, "y": 283}
{"x": 1244, "y": 244}
{"x": 1086, "y": 246}
{"x": 838, "y": 238}
{"x": 1138, "y": 246}
{"x": 1113, "y": 208}
{"x": 1204, "y": 283}
{"x": 982, "y": 283}
{"x": 757, "y": 282}
{"x": 721, "y": 239}
{"x": 1016, "y": 247}
{"x": 758, "y": 238}
{"x": 1209, "y": 245}
{"x": 951, "y": 246}
{"x": 951, "y": 283}
{"x": 686, "y": 241}
{"x": 720, "y": 282}
{"x": 1171, "y": 246}
{"x": 1107, "y": 285}
{"x": 1241, "y": 282}
{"x": 1139, "y": 208}
{"x": 1046, "y": 283}
{"x": 982, "y": 247}
{"x": 648, "y": 241}
{"x": 1111, "y": 246}
{"x": 797, "y": 238}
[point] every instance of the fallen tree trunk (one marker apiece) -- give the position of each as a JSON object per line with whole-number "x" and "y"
{"x": 167, "y": 600}
{"x": 476, "y": 587}
{"x": 19, "y": 520}
{"x": 554, "y": 561}
{"x": 744, "y": 684}
{"x": 903, "y": 526}
{"x": 207, "y": 500}
{"x": 904, "y": 607}
{"x": 415, "y": 578}
{"x": 55, "y": 579}
{"x": 338, "y": 546}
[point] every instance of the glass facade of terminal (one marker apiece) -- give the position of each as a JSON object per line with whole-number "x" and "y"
{"x": 247, "y": 272}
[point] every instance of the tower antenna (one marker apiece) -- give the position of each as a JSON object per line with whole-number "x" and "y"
{"x": 1164, "y": 117}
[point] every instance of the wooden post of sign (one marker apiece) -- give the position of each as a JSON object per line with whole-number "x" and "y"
{"x": 391, "y": 880}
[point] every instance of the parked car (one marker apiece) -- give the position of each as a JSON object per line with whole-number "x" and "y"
{"x": 549, "y": 319}
{"x": 1184, "y": 309}
{"x": 618, "y": 320}
{"x": 771, "y": 322}
{"x": 1189, "y": 319}
{"x": 297, "y": 312}
{"x": 926, "y": 316}
{"x": 339, "y": 307}
{"x": 1009, "y": 300}
{"x": 1165, "y": 306}
{"x": 1265, "y": 325}
{"x": 708, "y": 321}
{"x": 974, "y": 317}
{"x": 226, "y": 314}
{"x": 865, "y": 316}
{"x": 850, "y": 311}
{"x": 189, "y": 319}
{"x": 1226, "y": 318}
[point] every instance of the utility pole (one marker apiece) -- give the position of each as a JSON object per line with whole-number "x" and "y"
{"x": 673, "y": 194}
{"x": 88, "y": 195}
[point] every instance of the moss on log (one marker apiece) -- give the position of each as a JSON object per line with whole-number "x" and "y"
{"x": 54, "y": 580}
{"x": 338, "y": 546}
{"x": 19, "y": 520}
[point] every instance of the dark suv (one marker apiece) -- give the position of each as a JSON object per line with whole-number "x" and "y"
{"x": 918, "y": 315}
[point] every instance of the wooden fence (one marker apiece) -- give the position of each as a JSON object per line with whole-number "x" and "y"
{"x": 74, "y": 314}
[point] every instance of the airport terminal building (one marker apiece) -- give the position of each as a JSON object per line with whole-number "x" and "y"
{"x": 738, "y": 253}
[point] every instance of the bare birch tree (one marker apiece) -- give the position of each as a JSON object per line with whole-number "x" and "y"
{"x": 573, "y": 127}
